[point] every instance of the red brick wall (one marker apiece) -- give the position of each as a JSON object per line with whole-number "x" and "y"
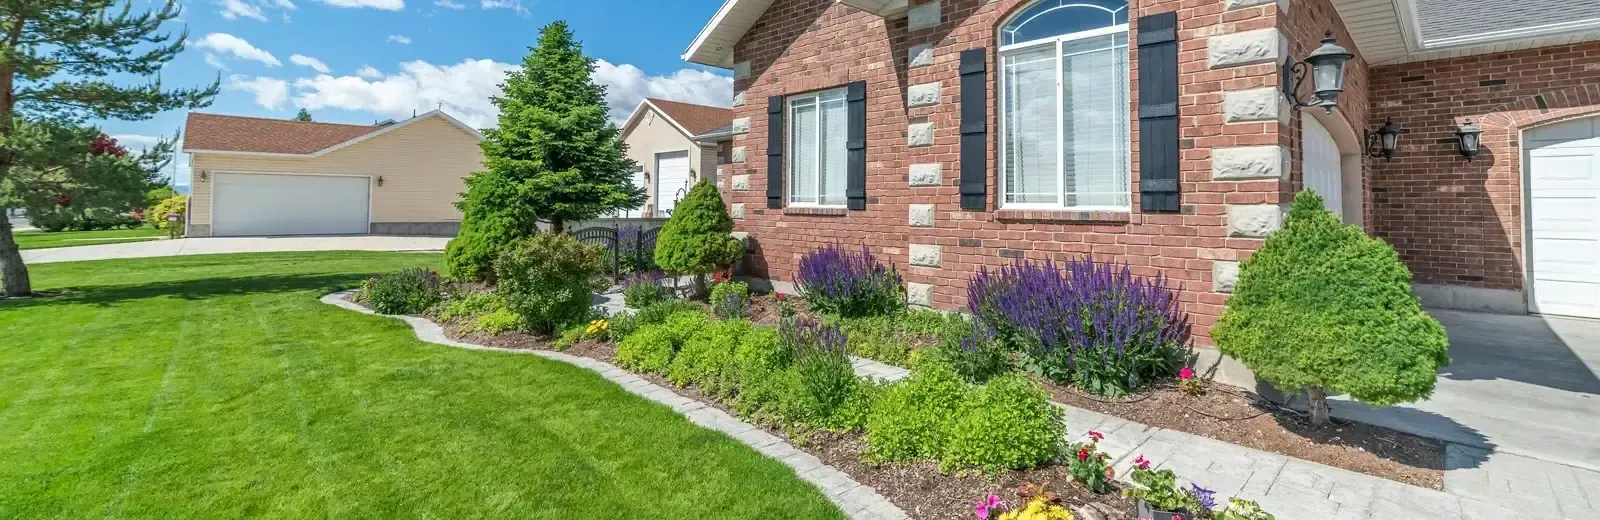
{"x": 806, "y": 45}
{"x": 1457, "y": 222}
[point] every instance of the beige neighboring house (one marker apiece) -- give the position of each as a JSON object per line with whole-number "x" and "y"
{"x": 255, "y": 176}
{"x": 676, "y": 144}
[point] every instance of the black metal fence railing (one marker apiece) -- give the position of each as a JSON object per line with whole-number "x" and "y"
{"x": 628, "y": 248}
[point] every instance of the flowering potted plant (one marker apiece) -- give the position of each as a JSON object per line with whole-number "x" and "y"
{"x": 1037, "y": 504}
{"x": 1160, "y": 498}
{"x": 1089, "y": 466}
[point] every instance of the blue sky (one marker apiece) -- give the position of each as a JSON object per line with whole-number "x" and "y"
{"x": 359, "y": 61}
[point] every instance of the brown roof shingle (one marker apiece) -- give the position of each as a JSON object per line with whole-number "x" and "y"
{"x": 255, "y": 134}
{"x": 697, "y": 119}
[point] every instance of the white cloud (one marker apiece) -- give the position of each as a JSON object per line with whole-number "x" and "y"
{"x": 307, "y": 61}
{"x": 447, "y": 4}
{"x": 229, "y": 44}
{"x": 234, "y": 9}
{"x": 214, "y": 61}
{"x": 387, "y": 5}
{"x": 464, "y": 89}
{"x": 269, "y": 92}
{"x": 286, "y": 4}
{"x": 136, "y": 141}
{"x": 402, "y": 40}
{"x": 514, "y": 5}
{"x": 627, "y": 85}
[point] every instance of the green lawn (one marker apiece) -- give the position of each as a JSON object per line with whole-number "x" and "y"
{"x": 43, "y": 240}
{"x": 219, "y": 387}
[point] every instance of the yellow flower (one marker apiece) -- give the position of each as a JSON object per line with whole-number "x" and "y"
{"x": 597, "y": 326}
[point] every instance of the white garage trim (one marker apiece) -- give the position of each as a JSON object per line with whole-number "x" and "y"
{"x": 664, "y": 193}
{"x": 1553, "y": 147}
{"x": 212, "y": 196}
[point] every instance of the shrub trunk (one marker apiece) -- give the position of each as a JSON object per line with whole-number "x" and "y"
{"x": 1318, "y": 402}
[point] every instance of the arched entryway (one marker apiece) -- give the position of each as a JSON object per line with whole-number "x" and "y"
{"x": 1330, "y": 163}
{"x": 1561, "y": 176}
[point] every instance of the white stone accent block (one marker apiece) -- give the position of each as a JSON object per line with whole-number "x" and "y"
{"x": 919, "y": 133}
{"x": 741, "y": 125}
{"x": 1256, "y": 220}
{"x": 741, "y": 183}
{"x": 921, "y": 54}
{"x": 925, "y": 16}
{"x": 1224, "y": 276}
{"x": 736, "y": 210}
{"x": 927, "y": 174}
{"x": 1260, "y": 104}
{"x": 1283, "y": 5}
{"x": 738, "y": 154}
{"x": 922, "y": 95}
{"x": 924, "y": 255}
{"x": 1258, "y": 46}
{"x": 1249, "y": 162}
{"x": 919, "y": 294}
{"x": 738, "y": 98}
{"x": 741, "y": 70}
{"x": 921, "y": 215}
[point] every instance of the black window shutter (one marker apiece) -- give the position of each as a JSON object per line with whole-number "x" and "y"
{"x": 974, "y": 129}
{"x": 1158, "y": 112}
{"x": 775, "y": 152}
{"x": 855, "y": 191}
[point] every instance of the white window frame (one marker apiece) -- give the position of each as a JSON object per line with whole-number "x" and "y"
{"x": 789, "y": 144}
{"x": 1055, "y": 42}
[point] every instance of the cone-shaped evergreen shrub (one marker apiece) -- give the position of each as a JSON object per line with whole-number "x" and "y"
{"x": 695, "y": 240}
{"x": 1325, "y": 308}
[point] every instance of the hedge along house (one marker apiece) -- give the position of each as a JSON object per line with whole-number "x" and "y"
{"x": 955, "y": 134}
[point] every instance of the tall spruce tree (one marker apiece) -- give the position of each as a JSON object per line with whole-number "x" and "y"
{"x": 303, "y": 115}
{"x": 554, "y": 158}
{"x": 56, "y": 57}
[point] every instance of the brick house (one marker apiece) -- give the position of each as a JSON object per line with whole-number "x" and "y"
{"x": 953, "y": 134}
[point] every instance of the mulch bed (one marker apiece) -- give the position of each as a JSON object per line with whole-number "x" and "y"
{"x": 1239, "y": 417}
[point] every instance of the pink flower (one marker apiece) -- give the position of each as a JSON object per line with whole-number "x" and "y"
{"x": 1142, "y": 462}
{"x": 989, "y": 504}
{"x": 1177, "y": 517}
{"x": 1096, "y": 435}
{"x": 1186, "y": 373}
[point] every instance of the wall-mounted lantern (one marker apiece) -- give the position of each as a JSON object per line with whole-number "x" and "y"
{"x": 205, "y": 175}
{"x": 1467, "y": 139}
{"x": 380, "y": 180}
{"x": 1326, "y": 66}
{"x": 1385, "y": 141}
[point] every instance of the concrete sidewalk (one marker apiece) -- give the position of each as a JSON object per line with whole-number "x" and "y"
{"x": 209, "y": 246}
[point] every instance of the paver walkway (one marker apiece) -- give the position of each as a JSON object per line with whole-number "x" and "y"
{"x": 1500, "y": 488}
{"x": 207, "y": 246}
{"x": 855, "y": 499}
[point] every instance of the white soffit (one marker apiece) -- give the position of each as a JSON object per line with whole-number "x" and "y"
{"x": 1403, "y": 31}
{"x": 714, "y": 45}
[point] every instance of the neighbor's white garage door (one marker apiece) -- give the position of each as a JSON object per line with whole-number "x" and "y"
{"x": 258, "y": 204}
{"x": 1564, "y": 218}
{"x": 673, "y": 180}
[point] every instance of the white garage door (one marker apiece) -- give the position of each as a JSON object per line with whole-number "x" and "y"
{"x": 1323, "y": 174}
{"x": 1564, "y": 218}
{"x": 252, "y": 204}
{"x": 673, "y": 180}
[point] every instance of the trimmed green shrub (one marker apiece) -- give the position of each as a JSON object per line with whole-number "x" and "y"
{"x": 469, "y": 305}
{"x": 156, "y": 215}
{"x": 910, "y": 420}
{"x": 493, "y": 217}
{"x": 707, "y": 355}
{"x": 758, "y": 359}
{"x": 408, "y": 291}
{"x": 627, "y": 323}
{"x": 549, "y": 280}
{"x": 730, "y": 300}
{"x": 649, "y": 349}
{"x": 1325, "y": 308}
{"x": 497, "y": 321}
{"x": 1006, "y": 424}
{"x": 696, "y": 241}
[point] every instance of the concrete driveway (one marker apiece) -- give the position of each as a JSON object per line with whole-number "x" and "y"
{"x": 210, "y": 246}
{"x": 1523, "y": 385}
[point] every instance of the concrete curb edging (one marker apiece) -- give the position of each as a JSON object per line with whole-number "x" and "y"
{"x": 857, "y": 500}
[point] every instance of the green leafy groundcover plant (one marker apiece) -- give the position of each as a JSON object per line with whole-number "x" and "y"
{"x": 407, "y": 291}
{"x": 1325, "y": 308}
{"x": 696, "y": 241}
{"x": 1007, "y": 423}
{"x": 549, "y": 280}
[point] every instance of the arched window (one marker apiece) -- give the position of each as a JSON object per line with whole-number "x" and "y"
{"x": 1064, "y": 106}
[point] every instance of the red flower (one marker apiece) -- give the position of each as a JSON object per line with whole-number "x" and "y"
{"x": 1186, "y": 373}
{"x": 1096, "y": 435}
{"x": 779, "y": 296}
{"x": 1083, "y": 454}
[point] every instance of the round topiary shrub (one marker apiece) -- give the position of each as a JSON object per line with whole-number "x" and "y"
{"x": 407, "y": 291}
{"x": 696, "y": 241}
{"x": 549, "y": 280}
{"x": 1325, "y": 308}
